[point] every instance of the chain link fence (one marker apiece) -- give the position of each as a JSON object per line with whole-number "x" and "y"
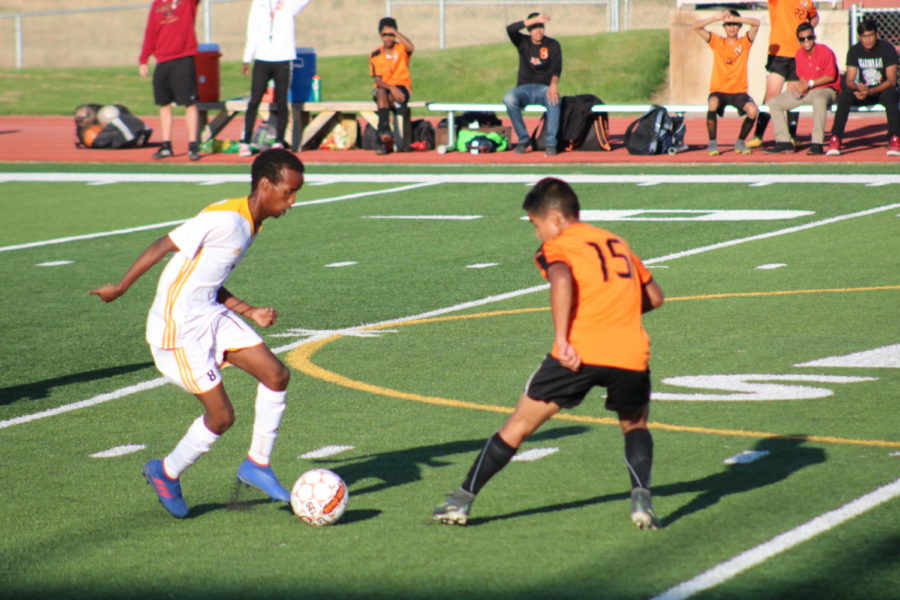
{"x": 888, "y": 20}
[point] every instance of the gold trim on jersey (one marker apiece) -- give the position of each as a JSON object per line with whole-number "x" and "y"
{"x": 185, "y": 371}
{"x": 187, "y": 269}
{"x": 239, "y": 205}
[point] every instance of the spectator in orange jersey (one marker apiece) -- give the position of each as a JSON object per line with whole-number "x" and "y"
{"x": 728, "y": 84}
{"x": 389, "y": 67}
{"x": 784, "y": 18}
{"x": 598, "y": 290}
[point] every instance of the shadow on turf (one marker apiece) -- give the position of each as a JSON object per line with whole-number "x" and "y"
{"x": 785, "y": 457}
{"x": 37, "y": 390}
{"x": 405, "y": 466}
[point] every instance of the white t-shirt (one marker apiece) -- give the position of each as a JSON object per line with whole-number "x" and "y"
{"x": 210, "y": 245}
{"x": 270, "y": 30}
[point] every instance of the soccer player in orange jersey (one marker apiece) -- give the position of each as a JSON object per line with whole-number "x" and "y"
{"x": 598, "y": 290}
{"x": 392, "y": 84}
{"x": 728, "y": 84}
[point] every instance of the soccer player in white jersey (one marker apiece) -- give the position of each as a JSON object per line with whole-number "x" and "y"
{"x": 193, "y": 326}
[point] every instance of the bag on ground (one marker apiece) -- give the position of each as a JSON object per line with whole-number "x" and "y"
{"x": 656, "y": 132}
{"x": 422, "y": 134}
{"x": 110, "y": 126}
{"x": 579, "y": 127}
{"x": 478, "y": 142}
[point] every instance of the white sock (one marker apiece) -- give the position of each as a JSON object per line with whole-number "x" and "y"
{"x": 195, "y": 443}
{"x": 269, "y": 408}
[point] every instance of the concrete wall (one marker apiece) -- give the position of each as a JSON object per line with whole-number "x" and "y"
{"x": 690, "y": 59}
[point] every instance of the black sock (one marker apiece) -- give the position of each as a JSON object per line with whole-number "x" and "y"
{"x": 639, "y": 457}
{"x": 762, "y": 121}
{"x": 384, "y": 121}
{"x": 711, "y": 125}
{"x": 745, "y": 128}
{"x": 494, "y": 456}
{"x": 793, "y": 118}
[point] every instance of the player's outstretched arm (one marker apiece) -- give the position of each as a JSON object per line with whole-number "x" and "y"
{"x": 149, "y": 257}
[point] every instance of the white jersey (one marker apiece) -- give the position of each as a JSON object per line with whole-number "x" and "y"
{"x": 270, "y": 30}
{"x": 210, "y": 245}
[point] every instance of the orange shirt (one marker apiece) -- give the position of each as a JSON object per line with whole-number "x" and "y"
{"x": 729, "y": 70}
{"x": 605, "y": 327}
{"x": 392, "y": 67}
{"x": 784, "y": 16}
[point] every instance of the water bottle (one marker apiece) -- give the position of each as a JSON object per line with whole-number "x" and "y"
{"x": 316, "y": 91}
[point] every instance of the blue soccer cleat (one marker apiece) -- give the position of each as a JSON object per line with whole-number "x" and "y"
{"x": 262, "y": 478}
{"x": 167, "y": 490}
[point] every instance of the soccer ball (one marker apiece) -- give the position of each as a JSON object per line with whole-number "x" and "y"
{"x": 108, "y": 114}
{"x": 319, "y": 497}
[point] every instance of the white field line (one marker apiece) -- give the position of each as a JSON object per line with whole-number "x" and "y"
{"x": 88, "y": 236}
{"x": 477, "y": 178}
{"x": 780, "y": 543}
{"x": 449, "y": 309}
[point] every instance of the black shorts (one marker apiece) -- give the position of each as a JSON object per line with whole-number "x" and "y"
{"x": 739, "y": 101}
{"x": 786, "y": 67}
{"x": 175, "y": 81}
{"x": 402, "y": 89}
{"x": 626, "y": 391}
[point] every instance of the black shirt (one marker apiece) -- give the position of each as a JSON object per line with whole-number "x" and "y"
{"x": 538, "y": 63}
{"x": 872, "y": 65}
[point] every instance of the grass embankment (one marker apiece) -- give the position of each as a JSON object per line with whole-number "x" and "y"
{"x": 626, "y": 67}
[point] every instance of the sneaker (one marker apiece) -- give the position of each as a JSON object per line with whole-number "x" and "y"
{"x": 167, "y": 490}
{"x": 713, "y": 149}
{"x": 642, "y": 513}
{"x": 740, "y": 147}
{"x": 163, "y": 152}
{"x": 455, "y": 509}
{"x": 262, "y": 478}
{"x": 193, "y": 152}
{"x": 754, "y": 142}
{"x": 244, "y": 150}
{"x": 387, "y": 141}
{"x": 381, "y": 150}
{"x": 551, "y": 152}
{"x": 781, "y": 148}
{"x": 834, "y": 146}
{"x": 894, "y": 146}
{"x": 522, "y": 147}
{"x": 815, "y": 149}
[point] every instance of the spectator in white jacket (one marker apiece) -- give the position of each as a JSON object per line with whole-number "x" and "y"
{"x": 271, "y": 46}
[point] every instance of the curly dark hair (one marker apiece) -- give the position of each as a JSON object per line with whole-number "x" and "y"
{"x": 269, "y": 163}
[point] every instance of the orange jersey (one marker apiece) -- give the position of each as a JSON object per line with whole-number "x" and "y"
{"x": 729, "y": 70}
{"x": 392, "y": 67}
{"x": 784, "y": 17}
{"x": 605, "y": 325}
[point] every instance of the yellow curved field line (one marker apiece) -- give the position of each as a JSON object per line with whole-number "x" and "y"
{"x": 301, "y": 359}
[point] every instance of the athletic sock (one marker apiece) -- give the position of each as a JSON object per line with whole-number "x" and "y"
{"x": 762, "y": 121}
{"x": 494, "y": 456}
{"x": 639, "y": 457}
{"x": 195, "y": 443}
{"x": 711, "y": 124}
{"x": 269, "y": 407}
{"x": 745, "y": 128}
{"x": 384, "y": 122}
{"x": 793, "y": 119}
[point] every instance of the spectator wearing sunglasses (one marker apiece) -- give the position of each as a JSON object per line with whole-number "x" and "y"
{"x": 817, "y": 84}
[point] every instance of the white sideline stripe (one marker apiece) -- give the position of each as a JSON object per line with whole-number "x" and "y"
{"x": 433, "y": 313}
{"x": 120, "y": 393}
{"x": 88, "y": 236}
{"x": 476, "y": 178}
{"x": 785, "y": 541}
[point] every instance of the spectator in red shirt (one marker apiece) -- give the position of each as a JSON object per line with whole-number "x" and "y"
{"x": 817, "y": 84}
{"x": 169, "y": 37}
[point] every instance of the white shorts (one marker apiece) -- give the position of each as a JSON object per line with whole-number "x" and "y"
{"x": 196, "y": 368}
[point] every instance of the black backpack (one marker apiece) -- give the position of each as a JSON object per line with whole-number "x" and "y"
{"x": 423, "y": 131}
{"x": 579, "y": 127}
{"x": 656, "y": 132}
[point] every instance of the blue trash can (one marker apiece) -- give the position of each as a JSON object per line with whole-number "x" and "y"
{"x": 304, "y": 68}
